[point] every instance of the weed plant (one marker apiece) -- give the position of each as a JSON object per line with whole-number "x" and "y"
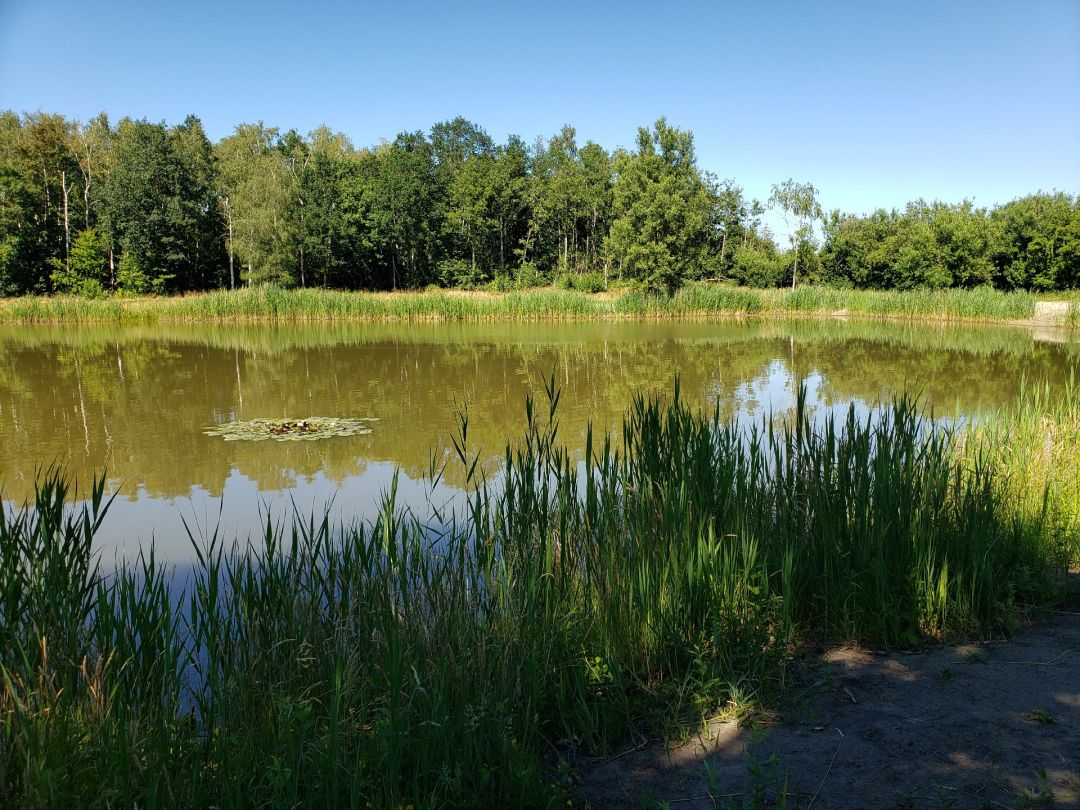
{"x": 665, "y": 575}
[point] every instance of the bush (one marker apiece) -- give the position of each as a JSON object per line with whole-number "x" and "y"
{"x": 582, "y": 282}
{"x": 757, "y": 268}
{"x": 460, "y": 273}
{"x": 590, "y": 282}
{"x": 501, "y": 283}
{"x": 528, "y": 275}
{"x": 85, "y": 272}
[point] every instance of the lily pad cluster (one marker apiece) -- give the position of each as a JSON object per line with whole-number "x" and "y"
{"x": 291, "y": 430}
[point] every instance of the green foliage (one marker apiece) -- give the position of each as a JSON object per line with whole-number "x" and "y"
{"x": 798, "y": 201}
{"x": 589, "y": 282}
{"x": 161, "y": 207}
{"x": 400, "y": 208}
{"x": 266, "y": 206}
{"x": 260, "y": 192}
{"x": 1037, "y": 242}
{"x": 570, "y": 202}
{"x": 660, "y": 576}
{"x": 130, "y": 278}
{"x": 86, "y": 272}
{"x": 459, "y": 273}
{"x": 1031, "y": 243}
{"x": 528, "y": 275}
{"x": 663, "y": 211}
{"x": 40, "y": 203}
{"x": 583, "y": 282}
{"x": 757, "y": 267}
{"x": 264, "y": 302}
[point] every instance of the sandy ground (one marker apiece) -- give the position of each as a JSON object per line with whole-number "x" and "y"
{"x": 980, "y": 725}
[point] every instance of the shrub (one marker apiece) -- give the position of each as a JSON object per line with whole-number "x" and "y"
{"x": 757, "y": 268}
{"x": 528, "y": 275}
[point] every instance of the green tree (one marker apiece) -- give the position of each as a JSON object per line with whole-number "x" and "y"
{"x": 403, "y": 210}
{"x": 799, "y": 204}
{"x": 160, "y": 207}
{"x": 257, "y": 192}
{"x": 508, "y": 203}
{"x": 331, "y": 250}
{"x": 86, "y": 271}
{"x": 1033, "y": 240}
{"x": 40, "y": 209}
{"x": 663, "y": 211}
{"x": 569, "y": 197}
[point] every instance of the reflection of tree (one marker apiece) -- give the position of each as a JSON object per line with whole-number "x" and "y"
{"x": 136, "y": 400}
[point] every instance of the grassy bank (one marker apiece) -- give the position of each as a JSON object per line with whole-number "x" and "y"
{"x": 670, "y": 577}
{"x": 698, "y": 300}
{"x": 277, "y": 337}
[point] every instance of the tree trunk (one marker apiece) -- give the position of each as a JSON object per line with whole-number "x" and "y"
{"x": 232, "y": 270}
{"x": 87, "y": 177}
{"x": 67, "y": 225}
{"x": 525, "y": 245}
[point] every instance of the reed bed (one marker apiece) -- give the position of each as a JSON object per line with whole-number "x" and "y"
{"x": 277, "y": 337}
{"x": 697, "y": 300}
{"x": 667, "y": 574}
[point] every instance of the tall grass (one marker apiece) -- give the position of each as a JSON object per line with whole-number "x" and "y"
{"x": 696, "y": 300}
{"x": 1072, "y": 319}
{"x": 667, "y": 576}
{"x": 278, "y": 337}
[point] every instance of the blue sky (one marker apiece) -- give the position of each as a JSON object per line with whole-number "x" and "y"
{"x": 876, "y": 103}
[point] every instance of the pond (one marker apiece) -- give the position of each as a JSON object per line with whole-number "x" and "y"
{"x": 138, "y": 403}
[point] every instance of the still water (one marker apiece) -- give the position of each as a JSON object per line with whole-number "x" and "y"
{"x": 134, "y": 402}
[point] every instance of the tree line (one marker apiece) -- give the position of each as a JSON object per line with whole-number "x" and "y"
{"x": 138, "y": 207}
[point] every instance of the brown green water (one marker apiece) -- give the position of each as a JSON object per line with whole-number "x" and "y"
{"x": 135, "y": 402}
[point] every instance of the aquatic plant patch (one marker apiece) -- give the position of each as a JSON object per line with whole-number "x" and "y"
{"x": 292, "y": 430}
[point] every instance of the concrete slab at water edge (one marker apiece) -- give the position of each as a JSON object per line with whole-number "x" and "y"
{"x": 1051, "y": 313}
{"x": 980, "y": 725}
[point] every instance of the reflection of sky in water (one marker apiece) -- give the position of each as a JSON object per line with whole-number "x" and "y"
{"x": 135, "y": 403}
{"x": 240, "y": 514}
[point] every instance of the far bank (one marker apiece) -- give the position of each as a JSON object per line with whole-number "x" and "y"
{"x": 693, "y": 301}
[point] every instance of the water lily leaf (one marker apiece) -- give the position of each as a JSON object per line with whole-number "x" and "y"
{"x": 310, "y": 429}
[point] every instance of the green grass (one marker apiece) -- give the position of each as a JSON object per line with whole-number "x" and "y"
{"x": 667, "y": 577}
{"x": 696, "y": 300}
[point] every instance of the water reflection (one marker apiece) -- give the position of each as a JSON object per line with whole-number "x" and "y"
{"x": 135, "y": 401}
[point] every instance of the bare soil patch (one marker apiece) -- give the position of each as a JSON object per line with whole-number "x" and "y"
{"x": 977, "y": 725}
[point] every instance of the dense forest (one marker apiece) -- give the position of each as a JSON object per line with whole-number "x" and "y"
{"x": 142, "y": 207}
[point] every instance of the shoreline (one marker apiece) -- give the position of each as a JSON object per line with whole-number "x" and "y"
{"x": 695, "y": 302}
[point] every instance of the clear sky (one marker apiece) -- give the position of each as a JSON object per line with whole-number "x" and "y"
{"x": 876, "y": 103}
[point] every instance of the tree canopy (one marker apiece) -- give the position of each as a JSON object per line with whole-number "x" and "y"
{"x": 100, "y": 208}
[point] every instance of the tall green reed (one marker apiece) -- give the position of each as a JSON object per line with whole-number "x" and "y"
{"x": 693, "y": 300}
{"x": 662, "y": 575}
